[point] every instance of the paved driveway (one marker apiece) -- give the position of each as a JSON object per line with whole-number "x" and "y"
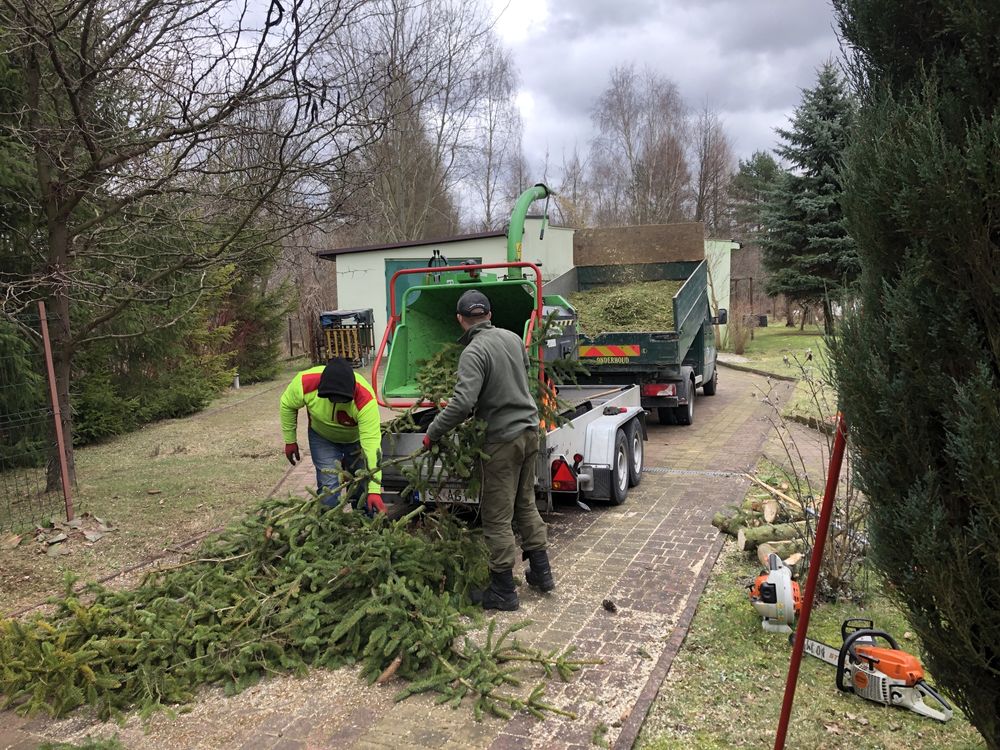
{"x": 650, "y": 556}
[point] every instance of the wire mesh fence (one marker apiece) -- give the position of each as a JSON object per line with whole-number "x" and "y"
{"x": 29, "y": 468}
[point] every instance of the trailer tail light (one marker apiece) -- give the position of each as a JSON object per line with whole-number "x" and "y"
{"x": 653, "y": 390}
{"x": 563, "y": 479}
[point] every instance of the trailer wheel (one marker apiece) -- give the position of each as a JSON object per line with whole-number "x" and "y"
{"x": 710, "y": 387}
{"x": 685, "y": 413}
{"x": 635, "y": 453}
{"x": 620, "y": 470}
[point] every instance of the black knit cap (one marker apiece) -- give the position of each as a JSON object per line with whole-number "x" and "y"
{"x": 337, "y": 381}
{"x": 473, "y": 304}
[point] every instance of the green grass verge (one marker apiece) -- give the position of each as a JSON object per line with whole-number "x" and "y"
{"x": 161, "y": 485}
{"x": 772, "y": 345}
{"x": 725, "y": 686}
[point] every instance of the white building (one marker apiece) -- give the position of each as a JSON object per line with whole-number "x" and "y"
{"x": 364, "y": 273}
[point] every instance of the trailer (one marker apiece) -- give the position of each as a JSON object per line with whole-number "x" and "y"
{"x": 597, "y": 455}
{"x": 667, "y": 366}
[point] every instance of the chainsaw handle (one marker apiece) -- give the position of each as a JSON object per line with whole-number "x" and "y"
{"x": 854, "y": 624}
{"x": 848, "y": 649}
{"x": 932, "y": 713}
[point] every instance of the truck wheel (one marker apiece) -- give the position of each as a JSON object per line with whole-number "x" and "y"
{"x": 685, "y": 414}
{"x": 666, "y": 415}
{"x": 709, "y": 388}
{"x": 620, "y": 470}
{"x": 635, "y": 453}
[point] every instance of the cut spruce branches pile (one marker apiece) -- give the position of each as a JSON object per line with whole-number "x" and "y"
{"x": 634, "y": 307}
{"x": 293, "y": 586}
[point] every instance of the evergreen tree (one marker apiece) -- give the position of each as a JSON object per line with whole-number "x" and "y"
{"x": 807, "y": 250}
{"x": 749, "y": 190}
{"x": 918, "y": 366}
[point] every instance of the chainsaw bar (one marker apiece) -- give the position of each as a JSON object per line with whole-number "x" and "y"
{"x": 821, "y": 651}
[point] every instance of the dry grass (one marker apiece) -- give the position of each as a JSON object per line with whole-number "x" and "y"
{"x": 160, "y": 486}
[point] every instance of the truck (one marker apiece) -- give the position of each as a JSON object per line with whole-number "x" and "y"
{"x": 597, "y": 455}
{"x": 667, "y": 366}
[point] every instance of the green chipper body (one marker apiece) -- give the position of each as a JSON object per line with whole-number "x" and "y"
{"x": 425, "y": 320}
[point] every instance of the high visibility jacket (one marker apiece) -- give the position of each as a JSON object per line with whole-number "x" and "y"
{"x": 354, "y": 421}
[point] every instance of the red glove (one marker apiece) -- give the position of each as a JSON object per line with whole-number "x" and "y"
{"x": 427, "y": 442}
{"x": 375, "y": 503}
{"x": 292, "y": 453}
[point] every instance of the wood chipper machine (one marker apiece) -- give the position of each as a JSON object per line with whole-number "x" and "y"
{"x": 597, "y": 455}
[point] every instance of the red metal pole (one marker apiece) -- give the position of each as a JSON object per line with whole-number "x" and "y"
{"x": 815, "y": 559}
{"x": 56, "y": 412}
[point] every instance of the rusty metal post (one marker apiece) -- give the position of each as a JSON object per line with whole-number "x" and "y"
{"x": 812, "y": 580}
{"x": 56, "y": 412}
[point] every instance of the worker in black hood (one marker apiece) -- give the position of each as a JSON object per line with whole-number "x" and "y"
{"x": 344, "y": 430}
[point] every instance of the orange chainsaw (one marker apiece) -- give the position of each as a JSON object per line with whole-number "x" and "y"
{"x": 883, "y": 675}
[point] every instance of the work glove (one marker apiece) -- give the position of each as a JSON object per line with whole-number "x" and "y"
{"x": 375, "y": 503}
{"x": 292, "y": 453}
{"x": 427, "y": 442}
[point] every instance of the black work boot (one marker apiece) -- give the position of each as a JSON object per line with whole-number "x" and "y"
{"x": 538, "y": 573}
{"x": 500, "y": 594}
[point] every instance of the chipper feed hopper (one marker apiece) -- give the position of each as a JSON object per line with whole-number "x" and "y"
{"x": 425, "y": 319}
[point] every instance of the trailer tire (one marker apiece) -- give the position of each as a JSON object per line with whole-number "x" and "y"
{"x": 685, "y": 413}
{"x": 620, "y": 469}
{"x": 636, "y": 454}
{"x": 712, "y": 385}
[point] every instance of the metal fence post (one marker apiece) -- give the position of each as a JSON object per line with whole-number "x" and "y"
{"x": 56, "y": 412}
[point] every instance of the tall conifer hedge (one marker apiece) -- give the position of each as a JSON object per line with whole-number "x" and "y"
{"x": 918, "y": 363}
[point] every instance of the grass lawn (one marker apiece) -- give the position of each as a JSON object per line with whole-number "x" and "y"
{"x": 772, "y": 345}
{"x": 161, "y": 485}
{"x": 725, "y": 687}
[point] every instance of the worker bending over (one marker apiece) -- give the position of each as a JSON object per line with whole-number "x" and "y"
{"x": 345, "y": 430}
{"x": 493, "y": 385}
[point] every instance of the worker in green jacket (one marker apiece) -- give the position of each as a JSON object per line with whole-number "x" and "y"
{"x": 345, "y": 430}
{"x": 493, "y": 385}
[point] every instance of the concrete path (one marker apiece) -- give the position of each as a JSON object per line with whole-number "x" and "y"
{"x": 650, "y": 556}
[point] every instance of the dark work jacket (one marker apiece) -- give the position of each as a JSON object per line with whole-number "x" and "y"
{"x": 492, "y": 385}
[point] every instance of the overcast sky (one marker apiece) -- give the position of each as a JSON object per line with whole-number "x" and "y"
{"x": 748, "y": 59}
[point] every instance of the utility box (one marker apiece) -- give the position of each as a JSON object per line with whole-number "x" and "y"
{"x": 349, "y": 334}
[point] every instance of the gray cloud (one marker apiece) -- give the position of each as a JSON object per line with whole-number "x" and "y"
{"x": 747, "y": 59}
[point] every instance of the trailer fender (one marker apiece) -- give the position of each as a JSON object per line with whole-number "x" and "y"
{"x": 599, "y": 450}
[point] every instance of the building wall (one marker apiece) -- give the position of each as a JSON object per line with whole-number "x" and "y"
{"x": 361, "y": 277}
{"x": 718, "y": 255}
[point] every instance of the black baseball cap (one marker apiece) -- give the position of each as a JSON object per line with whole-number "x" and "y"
{"x": 473, "y": 304}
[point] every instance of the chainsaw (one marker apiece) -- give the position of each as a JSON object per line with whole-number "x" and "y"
{"x": 776, "y": 597}
{"x": 884, "y": 675}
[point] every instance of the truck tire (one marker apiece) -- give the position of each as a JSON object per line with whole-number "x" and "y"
{"x": 620, "y": 469}
{"x": 666, "y": 415}
{"x": 636, "y": 454}
{"x": 685, "y": 414}
{"x": 710, "y": 387}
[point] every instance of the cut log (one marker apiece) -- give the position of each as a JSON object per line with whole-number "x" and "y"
{"x": 730, "y": 524}
{"x": 751, "y": 538}
{"x": 752, "y": 504}
{"x": 787, "y": 499}
{"x": 771, "y": 510}
{"x": 785, "y": 550}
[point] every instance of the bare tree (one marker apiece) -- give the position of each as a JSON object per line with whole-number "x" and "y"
{"x": 441, "y": 54}
{"x": 713, "y": 167}
{"x": 172, "y": 137}
{"x": 499, "y": 135}
{"x": 638, "y": 159}
{"x": 573, "y": 200}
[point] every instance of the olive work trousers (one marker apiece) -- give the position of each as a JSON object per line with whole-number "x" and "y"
{"x": 509, "y": 499}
